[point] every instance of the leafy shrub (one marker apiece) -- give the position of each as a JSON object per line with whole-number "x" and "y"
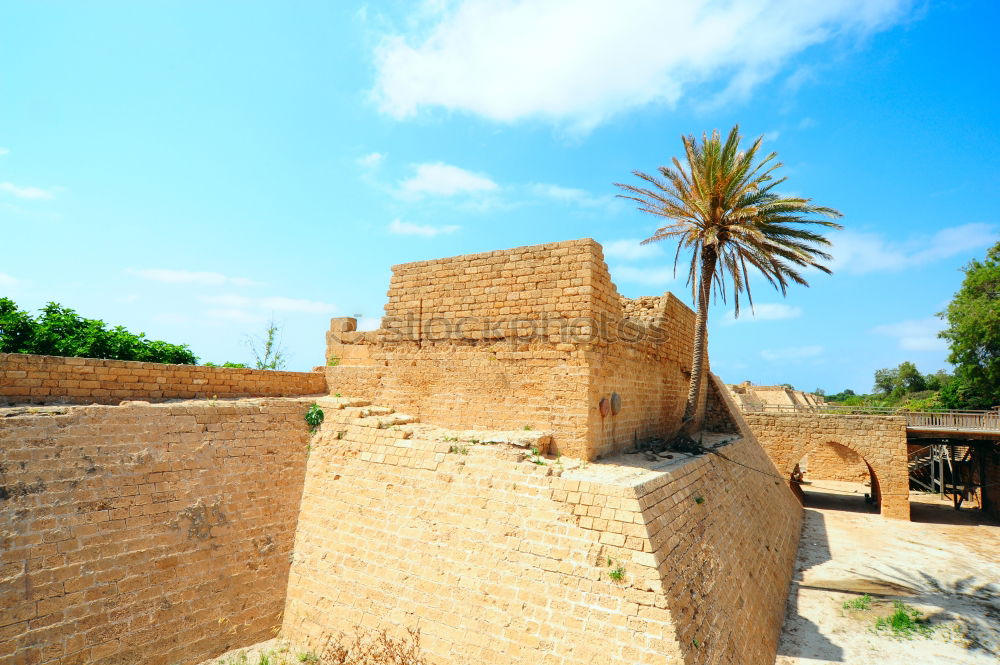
{"x": 60, "y": 331}
{"x": 314, "y": 416}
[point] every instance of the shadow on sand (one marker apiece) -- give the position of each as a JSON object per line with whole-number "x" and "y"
{"x": 801, "y": 637}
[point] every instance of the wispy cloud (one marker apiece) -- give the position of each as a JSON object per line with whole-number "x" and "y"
{"x": 763, "y": 312}
{"x": 401, "y": 228}
{"x": 916, "y": 334}
{"x": 629, "y": 249}
{"x": 188, "y": 277}
{"x": 438, "y": 179}
{"x": 4, "y": 151}
{"x": 859, "y": 253}
{"x": 573, "y": 196}
{"x": 7, "y": 280}
{"x": 609, "y": 57}
{"x": 646, "y": 276}
{"x": 272, "y": 303}
{"x": 236, "y": 315}
{"x": 172, "y": 318}
{"x": 792, "y": 353}
{"x": 371, "y": 160}
{"x": 25, "y": 192}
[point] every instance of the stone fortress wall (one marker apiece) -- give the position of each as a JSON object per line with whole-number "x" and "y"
{"x": 154, "y": 534}
{"x": 28, "y": 379}
{"x": 498, "y": 558}
{"x": 162, "y": 533}
{"x": 533, "y": 336}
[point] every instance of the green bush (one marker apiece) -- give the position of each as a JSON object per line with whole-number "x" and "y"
{"x": 314, "y": 416}
{"x": 60, "y": 331}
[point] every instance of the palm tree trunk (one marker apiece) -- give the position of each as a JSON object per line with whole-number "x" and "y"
{"x": 708, "y": 259}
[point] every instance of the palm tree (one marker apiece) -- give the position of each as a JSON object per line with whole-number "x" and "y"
{"x": 722, "y": 208}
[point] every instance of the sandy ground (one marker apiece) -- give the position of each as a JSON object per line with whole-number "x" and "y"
{"x": 944, "y": 563}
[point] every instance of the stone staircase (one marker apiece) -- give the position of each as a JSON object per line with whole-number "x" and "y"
{"x": 342, "y": 413}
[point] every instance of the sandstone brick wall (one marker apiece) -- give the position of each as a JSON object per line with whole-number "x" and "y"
{"x": 29, "y": 379}
{"x": 832, "y": 461}
{"x": 530, "y": 336}
{"x": 499, "y": 560}
{"x": 153, "y": 534}
{"x": 879, "y": 440}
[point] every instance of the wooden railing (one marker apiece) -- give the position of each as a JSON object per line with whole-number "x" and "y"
{"x": 945, "y": 420}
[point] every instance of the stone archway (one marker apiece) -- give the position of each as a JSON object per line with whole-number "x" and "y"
{"x": 880, "y": 441}
{"x": 838, "y": 462}
{"x": 834, "y": 461}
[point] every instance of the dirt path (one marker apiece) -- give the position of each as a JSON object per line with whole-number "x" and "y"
{"x": 944, "y": 564}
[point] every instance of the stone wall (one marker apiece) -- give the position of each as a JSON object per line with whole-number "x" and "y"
{"x": 30, "y": 379}
{"x": 497, "y": 558}
{"x": 879, "y": 440}
{"x": 532, "y": 336}
{"x": 154, "y": 534}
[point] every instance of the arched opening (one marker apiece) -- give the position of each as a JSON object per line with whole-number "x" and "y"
{"x": 835, "y": 477}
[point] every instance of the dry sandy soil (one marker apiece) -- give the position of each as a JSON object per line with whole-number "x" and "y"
{"x": 944, "y": 563}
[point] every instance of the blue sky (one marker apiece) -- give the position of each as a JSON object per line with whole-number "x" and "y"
{"x": 187, "y": 168}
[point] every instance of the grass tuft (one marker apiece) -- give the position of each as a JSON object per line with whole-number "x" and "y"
{"x": 861, "y": 603}
{"x": 905, "y": 622}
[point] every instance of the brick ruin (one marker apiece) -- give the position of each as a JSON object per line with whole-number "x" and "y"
{"x": 533, "y": 336}
{"x": 471, "y": 479}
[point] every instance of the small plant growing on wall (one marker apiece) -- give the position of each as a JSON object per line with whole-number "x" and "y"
{"x": 314, "y": 417}
{"x": 333, "y": 361}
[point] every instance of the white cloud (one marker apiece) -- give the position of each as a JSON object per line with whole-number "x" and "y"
{"x": 25, "y": 192}
{"x": 445, "y": 180}
{"x": 630, "y": 250}
{"x": 236, "y": 315}
{"x": 763, "y": 312}
{"x": 401, "y": 228}
{"x": 7, "y": 280}
{"x": 583, "y": 61}
{"x": 859, "y": 252}
{"x": 4, "y": 151}
{"x": 369, "y": 323}
{"x": 172, "y": 318}
{"x": 646, "y": 276}
{"x": 792, "y": 353}
{"x": 916, "y": 334}
{"x": 272, "y": 303}
{"x": 371, "y": 160}
{"x": 189, "y": 277}
{"x": 572, "y": 196}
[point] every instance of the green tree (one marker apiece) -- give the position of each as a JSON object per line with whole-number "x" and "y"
{"x": 886, "y": 381}
{"x": 722, "y": 207}
{"x": 267, "y": 350}
{"x": 60, "y": 331}
{"x": 909, "y": 377}
{"x": 938, "y": 380}
{"x": 973, "y": 335}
